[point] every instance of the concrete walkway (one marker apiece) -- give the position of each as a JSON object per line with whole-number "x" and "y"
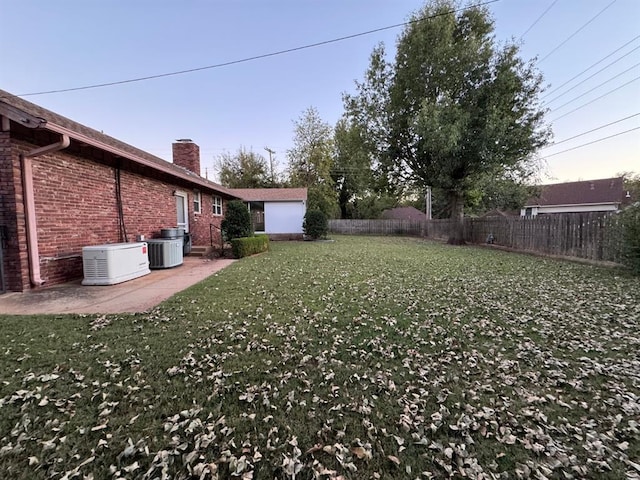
{"x": 136, "y": 295}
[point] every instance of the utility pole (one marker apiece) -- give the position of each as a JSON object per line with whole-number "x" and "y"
{"x": 428, "y": 203}
{"x": 271, "y": 153}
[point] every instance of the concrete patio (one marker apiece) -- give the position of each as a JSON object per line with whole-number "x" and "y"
{"x": 136, "y": 295}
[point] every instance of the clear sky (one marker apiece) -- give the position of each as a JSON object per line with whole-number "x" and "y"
{"x": 50, "y": 45}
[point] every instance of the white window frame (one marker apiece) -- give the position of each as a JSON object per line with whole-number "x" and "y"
{"x": 197, "y": 202}
{"x": 216, "y": 205}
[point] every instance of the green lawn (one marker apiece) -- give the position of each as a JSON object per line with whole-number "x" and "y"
{"x": 359, "y": 358}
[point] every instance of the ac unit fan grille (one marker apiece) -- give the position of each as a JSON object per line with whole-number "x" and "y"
{"x": 165, "y": 253}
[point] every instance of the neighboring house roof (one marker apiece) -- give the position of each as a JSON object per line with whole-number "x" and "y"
{"x": 31, "y": 115}
{"x": 270, "y": 194}
{"x": 588, "y": 192}
{"x": 403, "y": 213}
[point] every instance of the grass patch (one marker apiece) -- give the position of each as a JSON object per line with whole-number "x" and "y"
{"x": 363, "y": 358}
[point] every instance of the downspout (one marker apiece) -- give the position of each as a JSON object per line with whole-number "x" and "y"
{"x": 30, "y": 205}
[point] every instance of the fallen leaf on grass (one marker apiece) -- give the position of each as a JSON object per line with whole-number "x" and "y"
{"x": 362, "y": 453}
{"x": 395, "y": 460}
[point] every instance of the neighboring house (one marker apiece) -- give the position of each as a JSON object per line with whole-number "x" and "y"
{"x": 604, "y": 195}
{"x": 64, "y": 186}
{"x": 403, "y": 213}
{"x": 278, "y": 212}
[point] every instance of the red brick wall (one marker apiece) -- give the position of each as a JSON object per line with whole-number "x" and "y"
{"x": 14, "y": 250}
{"x": 199, "y": 223}
{"x": 75, "y": 202}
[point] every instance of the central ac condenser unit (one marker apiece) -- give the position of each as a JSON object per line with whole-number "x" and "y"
{"x": 114, "y": 263}
{"x": 165, "y": 253}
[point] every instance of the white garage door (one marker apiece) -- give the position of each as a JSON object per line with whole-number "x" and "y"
{"x": 283, "y": 217}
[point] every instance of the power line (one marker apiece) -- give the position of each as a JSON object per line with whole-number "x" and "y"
{"x": 575, "y": 33}
{"x": 591, "y": 66}
{"x": 538, "y": 19}
{"x": 597, "y": 98}
{"x": 258, "y": 57}
{"x": 591, "y": 143}
{"x": 596, "y": 87}
{"x": 592, "y": 75}
{"x": 358, "y": 169}
{"x": 592, "y": 130}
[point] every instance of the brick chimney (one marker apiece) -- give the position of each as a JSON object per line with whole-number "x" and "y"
{"x": 187, "y": 155}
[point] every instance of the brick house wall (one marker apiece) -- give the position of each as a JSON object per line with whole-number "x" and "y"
{"x": 76, "y": 205}
{"x": 199, "y": 224}
{"x": 14, "y": 250}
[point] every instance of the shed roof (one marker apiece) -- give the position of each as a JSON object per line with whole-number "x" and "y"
{"x": 403, "y": 213}
{"x": 605, "y": 190}
{"x": 270, "y": 194}
{"x": 34, "y": 116}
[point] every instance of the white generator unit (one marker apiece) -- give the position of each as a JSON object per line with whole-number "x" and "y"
{"x": 165, "y": 252}
{"x": 114, "y": 263}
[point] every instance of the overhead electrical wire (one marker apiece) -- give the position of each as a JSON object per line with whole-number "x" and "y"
{"x": 347, "y": 170}
{"x": 575, "y": 33}
{"x": 591, "y": 143}
{"x": 591, "y": 66}
{"x": 592, "y": 75}
{"x": 257, "y": 57}
{"x": 591, "y": 131}
{"x": 389, "y": 27}
{"x": 597, "y": 86}
{"x": 538, "y": 19}
{"x": 595, "y": 99}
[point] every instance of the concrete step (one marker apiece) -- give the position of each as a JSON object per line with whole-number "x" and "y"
{"x": 201, "y": 251}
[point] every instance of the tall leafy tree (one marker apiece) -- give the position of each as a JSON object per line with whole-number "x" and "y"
{"x": 311, "y": 161}
{"x": 243, "y": 169}
{"x": 461, "y": 107}
{"x": 368, "y": 110}
{"x": 351, "y": 171}
{"x": 499, "y": 193}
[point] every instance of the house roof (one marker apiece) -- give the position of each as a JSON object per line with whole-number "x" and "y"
{"x": 31, "y": 115}
{"x": 605, "y": 190}
{"x": 403, "y": 213}
{"x": 270, "y": 194}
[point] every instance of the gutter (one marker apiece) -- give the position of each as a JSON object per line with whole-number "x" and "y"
{"x": 29, "y": 204}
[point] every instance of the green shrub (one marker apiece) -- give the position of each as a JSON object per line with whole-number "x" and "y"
{"x": 247, "y": 246}
{"x": 237, "y": 221}
{"x": 315, "y": 224}
{"x": 630, "y": 219}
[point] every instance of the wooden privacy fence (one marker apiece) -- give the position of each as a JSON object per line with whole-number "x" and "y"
{"x": 594, "y": 236}
{"x": 378, "y": 227}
